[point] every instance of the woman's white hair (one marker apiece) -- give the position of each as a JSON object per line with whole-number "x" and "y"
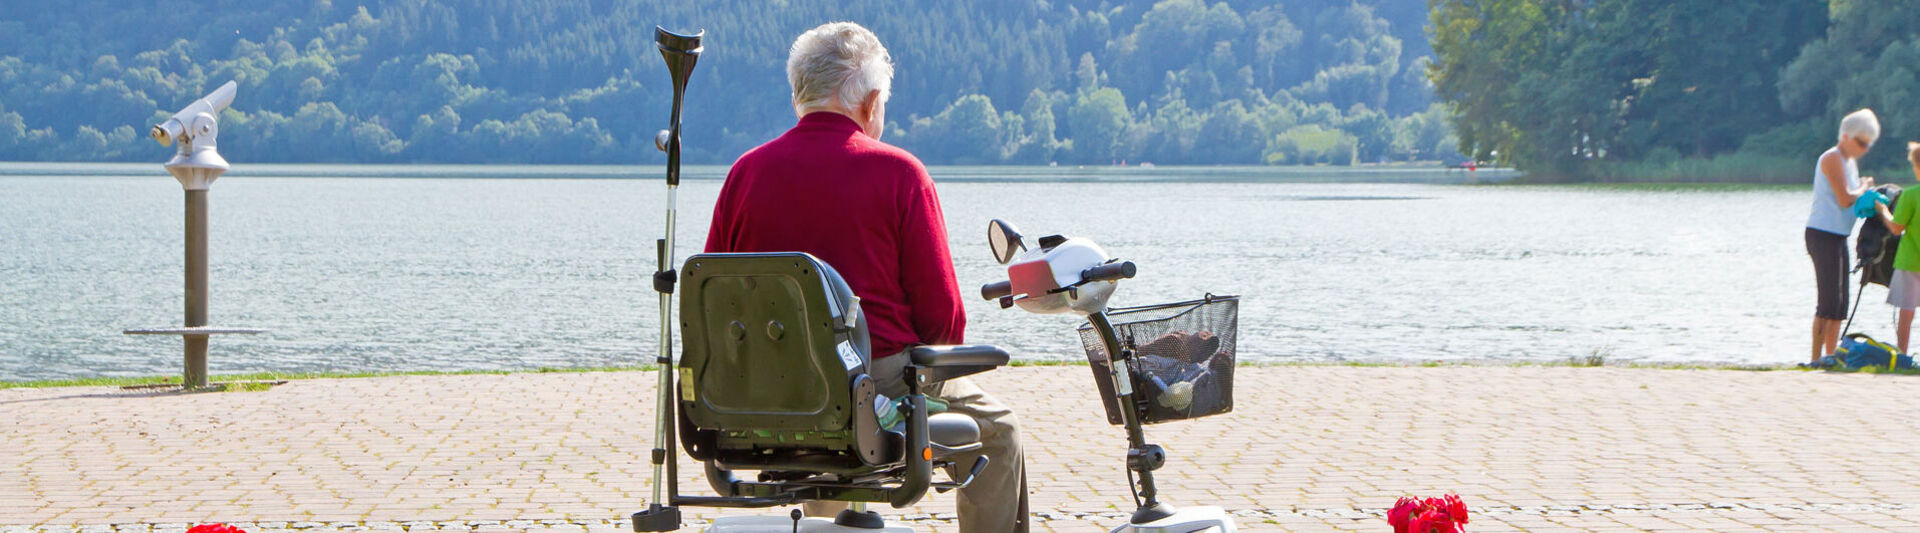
{"x": 1861, "y": 124}
{"x": 838, "y": 63}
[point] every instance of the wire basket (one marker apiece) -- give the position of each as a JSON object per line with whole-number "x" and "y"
{"x": 1183, "y": 359}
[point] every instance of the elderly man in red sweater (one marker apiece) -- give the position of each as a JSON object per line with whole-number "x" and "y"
{"x": 830, "y": 188}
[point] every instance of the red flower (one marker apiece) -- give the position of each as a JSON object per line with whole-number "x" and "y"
{"x": 1456, "y": 508}
{"x": 1447, "y": 514}
{"x": 1403, "y": 510}
{"x": 215, "y": 528}
{"x": 1433, "y": 520}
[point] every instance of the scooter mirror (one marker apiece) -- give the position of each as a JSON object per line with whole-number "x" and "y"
{"x": 1004, "y": 239}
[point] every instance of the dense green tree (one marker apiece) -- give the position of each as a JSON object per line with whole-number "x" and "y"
{"x": 1169, "y": 135}
{"x": 1707, "y": 77}
{"x": 1424, "y": 135}
{"x": 1099, "y": 117}
{"x": 1865, "y": 60}
{"x": 1490, "y": 65}
{"x": 969, "y": 131}
{"x": 993, "y": 81}
{"x": 1230, "y": 134}
{"x": 1559, "y": 86}
{"x": 1173, "y": 36}
{"x": 1036, "y": 141}
{"x": 1311, "y": 145}
{"x": 13, "y": 130}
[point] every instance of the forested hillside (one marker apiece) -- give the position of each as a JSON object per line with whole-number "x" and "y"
{"x": 576, "y": 81}
{"x": 1657, "y": 89}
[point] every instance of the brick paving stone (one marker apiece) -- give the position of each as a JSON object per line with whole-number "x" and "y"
{"x": 1307, "y": 448}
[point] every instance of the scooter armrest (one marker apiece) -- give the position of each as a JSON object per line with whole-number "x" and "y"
{"x": 958, "y": 355}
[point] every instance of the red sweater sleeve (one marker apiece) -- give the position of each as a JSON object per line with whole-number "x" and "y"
{"x": 926, "y": 267}
{"x": 720, "y": 229}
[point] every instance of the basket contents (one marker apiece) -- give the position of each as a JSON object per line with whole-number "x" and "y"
{"x": 1183, "y": 358}
{"x": 1172, "y": 381}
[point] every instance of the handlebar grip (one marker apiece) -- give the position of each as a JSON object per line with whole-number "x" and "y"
{"x": 996, "y": 290}
{"x": 1109, "y": 272}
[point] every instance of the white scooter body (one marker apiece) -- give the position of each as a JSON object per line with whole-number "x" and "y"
{"x": 1036, "y": 277}
{"x": 781, "y": 524}
{"x": 1036, "y": 273}
{"x": 1206, "y": 519}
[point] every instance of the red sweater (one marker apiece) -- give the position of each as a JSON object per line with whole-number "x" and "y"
{"x": 865, "y": 207}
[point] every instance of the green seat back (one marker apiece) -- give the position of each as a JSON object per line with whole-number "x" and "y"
{"x": 769, "y": 356}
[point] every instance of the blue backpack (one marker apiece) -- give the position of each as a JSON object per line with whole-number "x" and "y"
{"x": 1858, "y": 351}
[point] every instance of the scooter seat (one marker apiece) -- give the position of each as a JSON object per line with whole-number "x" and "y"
{"x": 953, "y": 430}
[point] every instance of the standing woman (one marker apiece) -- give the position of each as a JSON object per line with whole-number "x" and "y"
{"x": 1836, "y": 185}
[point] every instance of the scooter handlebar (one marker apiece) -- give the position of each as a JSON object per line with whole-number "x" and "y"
{"x": 1109, "y": 272}
{"x": 996, "y": 290}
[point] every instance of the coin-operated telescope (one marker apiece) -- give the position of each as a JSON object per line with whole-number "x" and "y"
{"x": 197, "y": 129}
{"x": 196, "y": 164}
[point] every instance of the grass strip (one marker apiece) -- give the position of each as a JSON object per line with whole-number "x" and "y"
{"x": 1571, "y": 362}
{"x": 279, "y": 376}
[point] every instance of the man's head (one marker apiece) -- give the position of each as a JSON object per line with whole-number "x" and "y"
{"x": 843, "y": 68}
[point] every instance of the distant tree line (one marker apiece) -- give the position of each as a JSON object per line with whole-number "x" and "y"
{"x": 577, "y": 81}
{"x": 1659, "y": 89}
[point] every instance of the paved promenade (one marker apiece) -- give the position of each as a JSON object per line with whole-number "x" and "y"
{"x": 1308, "y": 449}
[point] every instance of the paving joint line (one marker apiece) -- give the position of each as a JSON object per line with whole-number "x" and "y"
{"x": 924, "y": 518}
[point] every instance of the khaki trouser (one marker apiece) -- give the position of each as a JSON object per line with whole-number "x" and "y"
{"x": 995, "y": 501}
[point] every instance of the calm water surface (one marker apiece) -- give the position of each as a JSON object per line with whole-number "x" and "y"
{"x": 376, "y": 268}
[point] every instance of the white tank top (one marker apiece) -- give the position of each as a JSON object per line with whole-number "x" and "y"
{"x": 1827, "y": 215}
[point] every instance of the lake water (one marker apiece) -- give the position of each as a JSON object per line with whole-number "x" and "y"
{"x": 384, "y": 268}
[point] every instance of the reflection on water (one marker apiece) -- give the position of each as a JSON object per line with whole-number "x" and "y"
{"x": 370, "y": 273}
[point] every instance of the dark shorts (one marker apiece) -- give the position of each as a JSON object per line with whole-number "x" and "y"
{"x": 1830, "y": 273}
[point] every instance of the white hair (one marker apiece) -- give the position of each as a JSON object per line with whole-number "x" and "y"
{"x": 1861, "y": 124}
{"x": 838, "y": 64}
